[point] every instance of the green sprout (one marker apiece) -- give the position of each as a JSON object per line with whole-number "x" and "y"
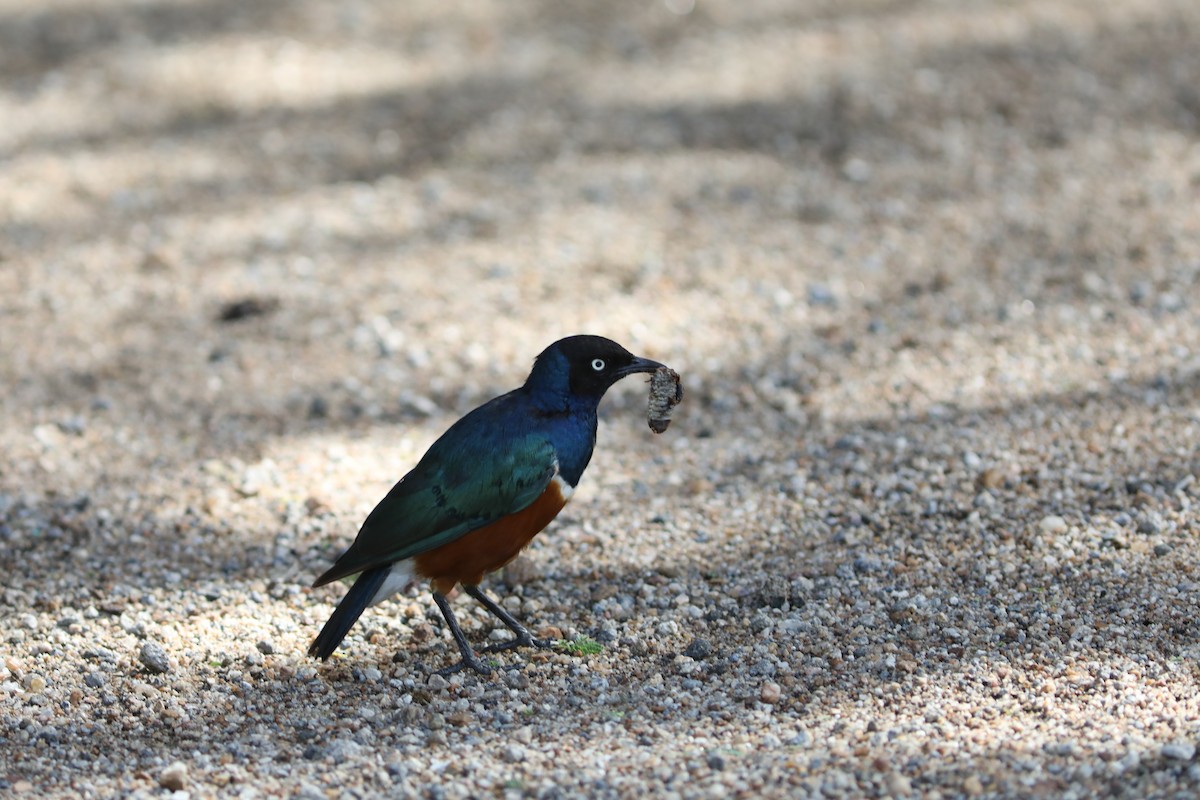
{"x": 580, "y": 646}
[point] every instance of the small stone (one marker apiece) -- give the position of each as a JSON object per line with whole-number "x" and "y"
{"x": 973, "y": 786}
{"x": 991, "y": 478}
{"x": 698, "y": 650}
{"x": 342, "y": 749}
{"x": 856, "y": 170}
{"x": 35, "y": 684}
{"x": 685, "y": 665}
{"x": 437, "y": 683}
{"x": 716, "y": 762}
{"x": 520, "y": 570}
{"x": 898, "y": 784}
{"x": 774, "y": 591}
{"x": 770, "y": 692}
{"x": 516, "y": 679}
{"x": 72, "y": 426}
{"x": 550, "y": 632}
{"x": 1052, "y": 524}
{"x": 154, "y": 658}
{"x": 1148, "y": 525}
{"x": 246, "y": 307}
{"x": 513, "y": 753}
{"x": 1180, "y": 751}
{"x": 265, "y": 647}
{"x": 94, "y": 680}
{"x": 174, "y": 777}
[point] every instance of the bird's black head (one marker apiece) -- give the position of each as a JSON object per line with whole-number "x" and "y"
{"x": 584, "y": 367}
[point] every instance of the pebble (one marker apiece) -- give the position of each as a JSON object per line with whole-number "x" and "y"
{"x": 154, "y": 658}
{"x": 1053, "y": 524}
{"x": 174, "y": 776}
{"x": 770, "y": 692}
{"x": 516, "y": 679}
{"x": 342, "y": 749}
{"x": 1179, "y": 751}
{"x": 898, "y": 784}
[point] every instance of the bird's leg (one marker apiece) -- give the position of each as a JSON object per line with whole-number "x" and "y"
{"x": 469, "y": 659}
{"x": 523, "y": 637}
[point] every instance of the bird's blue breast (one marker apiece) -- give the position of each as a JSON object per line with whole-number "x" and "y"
{"x": 573, "y": 437}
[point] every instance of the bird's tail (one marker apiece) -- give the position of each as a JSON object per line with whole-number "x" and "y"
{"x": 348, "y": 612}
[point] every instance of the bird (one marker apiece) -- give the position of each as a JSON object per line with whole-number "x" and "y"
{"x": 481, "y": 493}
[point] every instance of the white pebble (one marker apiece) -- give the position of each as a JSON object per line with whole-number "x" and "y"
{"x": 174, "y": 777}
{"x": 1053, "y": 524}
{"x": 1180, "y": 751}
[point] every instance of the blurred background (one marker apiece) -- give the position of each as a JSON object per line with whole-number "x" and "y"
{"x": 226, "y": 223}
{"x": 255, "y": 257}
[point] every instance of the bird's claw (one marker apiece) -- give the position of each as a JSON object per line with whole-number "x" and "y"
{"x": 473, "y": 663}
{"x": 519, "y": 641}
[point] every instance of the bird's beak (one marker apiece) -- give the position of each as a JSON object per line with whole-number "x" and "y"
{"x": 639, "y": 365}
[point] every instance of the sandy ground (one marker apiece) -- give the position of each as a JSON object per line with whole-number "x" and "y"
{"x": 925, "y": 524}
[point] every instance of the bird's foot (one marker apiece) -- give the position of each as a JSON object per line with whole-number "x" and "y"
{"x": 478, "y": 666}
{"x": 471, "y": 662}
{"x": 521, "y": 640}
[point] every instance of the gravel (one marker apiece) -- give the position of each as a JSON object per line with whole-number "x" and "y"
{"x": 924, "y": 525}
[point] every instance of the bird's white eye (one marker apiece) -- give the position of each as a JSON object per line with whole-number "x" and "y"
{"x": 598, "y": 364}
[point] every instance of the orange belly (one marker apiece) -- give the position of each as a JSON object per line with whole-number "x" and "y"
{"x": 467, "y": 559}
